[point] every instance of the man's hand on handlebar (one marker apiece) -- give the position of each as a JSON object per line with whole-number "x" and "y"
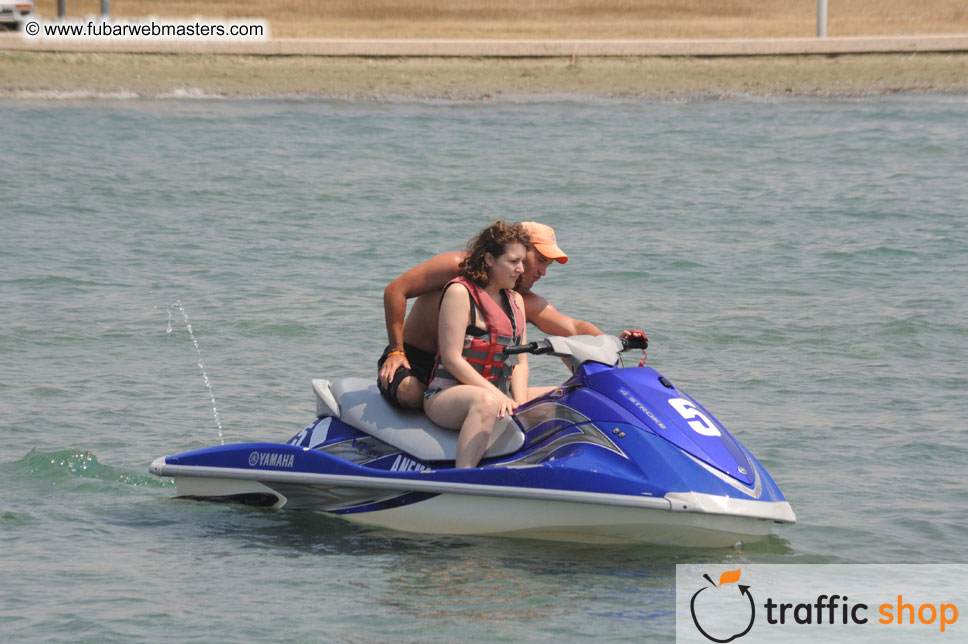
{"x": 634, "y": 339}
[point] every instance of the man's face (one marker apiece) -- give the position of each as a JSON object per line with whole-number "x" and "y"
{"x": 535, "y": 267}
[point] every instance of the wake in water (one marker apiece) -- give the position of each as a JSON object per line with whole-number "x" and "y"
{"x": 208, "y": 385}
{"x": 40, "y": 465}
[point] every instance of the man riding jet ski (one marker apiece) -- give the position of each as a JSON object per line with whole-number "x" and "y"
{"x": 407, "y": 363}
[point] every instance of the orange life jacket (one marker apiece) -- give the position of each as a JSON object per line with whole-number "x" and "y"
{"x": 485, "y": 352}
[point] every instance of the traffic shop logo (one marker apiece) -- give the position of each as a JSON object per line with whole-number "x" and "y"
{"x": 713, "y": 598}
{"x": 726, "y": 611}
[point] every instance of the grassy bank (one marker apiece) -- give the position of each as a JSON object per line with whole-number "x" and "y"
{"x": 153, "y": 75}
{"x": 556, "y": 18}
{"x": 30, "y": 74}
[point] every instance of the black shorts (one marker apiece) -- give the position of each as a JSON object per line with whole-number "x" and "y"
{"x": 421, "y": 368}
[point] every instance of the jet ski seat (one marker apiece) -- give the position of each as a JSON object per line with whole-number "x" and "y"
{"x": 358, "y": 403}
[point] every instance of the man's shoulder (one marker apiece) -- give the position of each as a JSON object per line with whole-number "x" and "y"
{"x": 445, "y": 266}
{"x": 442, "y": 265}
{"x": 430, "y": 275}
{"x": 450, "y": 257}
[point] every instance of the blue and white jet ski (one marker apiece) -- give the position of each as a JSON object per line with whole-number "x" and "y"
{"x": 614, "y": 454}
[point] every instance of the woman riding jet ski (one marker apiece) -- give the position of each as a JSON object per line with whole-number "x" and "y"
{"x": 475, "y": 382}
{"x": 613, "y": 454}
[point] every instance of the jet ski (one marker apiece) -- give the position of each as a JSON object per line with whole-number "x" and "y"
{"x": 614, "y": 454}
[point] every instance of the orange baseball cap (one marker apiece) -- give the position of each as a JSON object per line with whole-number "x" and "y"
{"x": 544, "y": 240}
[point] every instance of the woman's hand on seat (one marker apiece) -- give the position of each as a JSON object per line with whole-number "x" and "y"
{"x": 506, "y": 406}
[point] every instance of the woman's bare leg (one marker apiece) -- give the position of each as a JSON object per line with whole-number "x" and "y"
{"x": 472, "y": 410}
{"x": 534, "y": 392}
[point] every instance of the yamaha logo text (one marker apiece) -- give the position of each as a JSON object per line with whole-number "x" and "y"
{"x": 271, "y": 459}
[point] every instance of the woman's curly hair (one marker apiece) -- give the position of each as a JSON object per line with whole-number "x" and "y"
{"x": 494, "y": 240}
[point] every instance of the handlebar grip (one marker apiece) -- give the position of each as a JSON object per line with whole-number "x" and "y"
{"x": 521, "y": 348}
{"x": 636, "y": 342}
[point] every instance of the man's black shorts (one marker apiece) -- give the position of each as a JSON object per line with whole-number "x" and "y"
{"x": 421, "y": 368}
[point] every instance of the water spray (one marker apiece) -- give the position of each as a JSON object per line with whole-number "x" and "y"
{"x": 188, "y": 325}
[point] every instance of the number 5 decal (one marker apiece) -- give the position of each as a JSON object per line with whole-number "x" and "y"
{"x": 699, "y": 422}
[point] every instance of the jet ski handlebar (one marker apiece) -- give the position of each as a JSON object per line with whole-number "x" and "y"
{"x": 537, "y": 348}
{"x": 582, "y": 348}
{"x": 635, "y": 340}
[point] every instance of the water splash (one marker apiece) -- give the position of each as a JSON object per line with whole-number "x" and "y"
{"x": 208, "y": 385}
{"x": 52, "y": 466}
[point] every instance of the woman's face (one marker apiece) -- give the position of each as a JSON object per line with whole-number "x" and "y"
{"x": 506, "y": 269}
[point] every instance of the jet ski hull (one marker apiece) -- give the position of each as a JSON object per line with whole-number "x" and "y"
{"x": 566, "y": 521}
{"x": 426, "y": 504}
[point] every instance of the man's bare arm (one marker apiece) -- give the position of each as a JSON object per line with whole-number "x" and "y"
{"x": 425, "y": 278}
{"x": 551, "y": 321}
